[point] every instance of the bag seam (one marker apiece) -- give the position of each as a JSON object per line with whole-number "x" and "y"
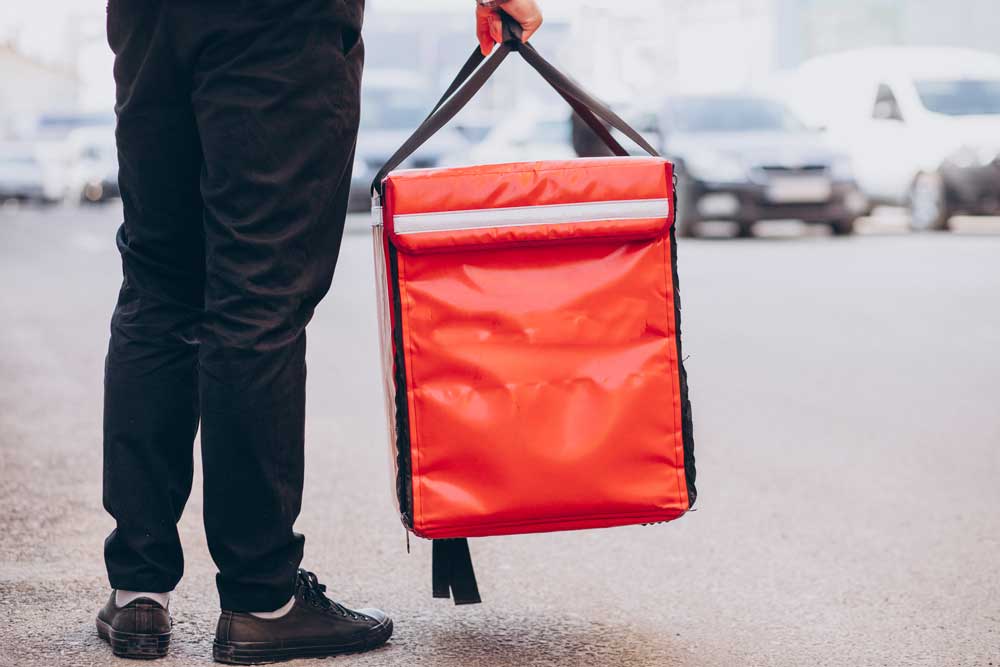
{"x": 675, "y": 384}
{"x": 562, "y": 519}
{"x": 411, "y": 380}
{"x": 479, "y": 247}
{"x": 572, "y": 167}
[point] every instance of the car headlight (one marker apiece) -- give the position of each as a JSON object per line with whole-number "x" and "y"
{"x": 52, "y": 189}
{"x": 714, "y": 167}
{"x": 841, "y": 169}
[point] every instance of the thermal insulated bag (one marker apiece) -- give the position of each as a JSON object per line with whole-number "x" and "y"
{"x": 530, "y": 336}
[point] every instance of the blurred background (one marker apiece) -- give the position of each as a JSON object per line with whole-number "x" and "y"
{"x": 839, "y": 191}
{"x": 810, "y": 110}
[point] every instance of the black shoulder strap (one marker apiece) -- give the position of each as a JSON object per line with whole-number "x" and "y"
{"x": 474, "y": 74}
{"x": 451, "y": 568}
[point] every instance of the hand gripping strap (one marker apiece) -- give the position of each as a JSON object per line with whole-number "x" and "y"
{"x": 451, "y": 570}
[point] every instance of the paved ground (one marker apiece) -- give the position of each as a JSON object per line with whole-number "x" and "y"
{"x": 848, "y": 436}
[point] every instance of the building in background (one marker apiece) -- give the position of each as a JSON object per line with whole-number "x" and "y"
{"x": 645, "y": 49}
{"x": 432, "y": 39}
{"x": 88, "y": 42}
{"x": 30, "y": 88}
{"x": 627, "y": 51}
{"x": 808, "y": 28}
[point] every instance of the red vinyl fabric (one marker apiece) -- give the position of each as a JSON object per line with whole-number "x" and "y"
{"x": 530, "y": 344}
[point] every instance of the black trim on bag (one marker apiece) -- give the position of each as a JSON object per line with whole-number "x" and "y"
{"x": 687, "y": 426}
{"x": 404, "y": 479}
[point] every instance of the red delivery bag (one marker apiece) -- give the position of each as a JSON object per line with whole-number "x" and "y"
{"x": 530, "y": 336}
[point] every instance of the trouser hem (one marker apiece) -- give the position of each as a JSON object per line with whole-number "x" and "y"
{"x": 142, "y": 584}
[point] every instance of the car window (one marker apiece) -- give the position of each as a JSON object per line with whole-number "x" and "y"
{"x": 552, "y": 131}
{"x": 886, "y": 107}
{"x": 392, "y": 110}
{"x": 730, "y": 114}
{"x": 960, "y": 97}
{"x": 71, "y": 121}
{"x": 18, "y": 160}
{"x": 91, "y": 153}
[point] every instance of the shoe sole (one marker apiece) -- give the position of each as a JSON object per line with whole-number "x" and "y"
{"x": 131, "y": 645}
{"x": 256, "y": 653}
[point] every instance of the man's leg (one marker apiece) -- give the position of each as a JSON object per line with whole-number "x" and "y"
{"x": 151, "y": 390}
{"x": 276, "y": 99}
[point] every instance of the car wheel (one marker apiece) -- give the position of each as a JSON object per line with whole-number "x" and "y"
{"x": 744, "y": 230}
{"x": 842, "y": 227}
{"x": 92, "y": 193}
{"x": 928, "y": 203}
{"x": 686, "y": 228}
{"x": 684, "y": 225}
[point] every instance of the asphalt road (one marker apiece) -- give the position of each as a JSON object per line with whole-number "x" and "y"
{"x": 847, "y": 428}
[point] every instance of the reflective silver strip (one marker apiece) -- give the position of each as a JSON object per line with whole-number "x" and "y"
{"x": 520, "y": 216}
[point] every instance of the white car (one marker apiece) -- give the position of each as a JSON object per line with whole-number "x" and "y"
{"x": 93, "y": 165}
{"x": 921, "y": 125}
{"x": 525, "y": 134}
{"x": 25, "y": 175}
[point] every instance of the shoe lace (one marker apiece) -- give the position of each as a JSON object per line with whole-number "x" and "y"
{"x": 314, "y": 593}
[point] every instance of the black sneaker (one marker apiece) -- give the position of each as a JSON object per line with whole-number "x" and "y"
{"x": 315, "y": 627}
{"x": 140, "y": 629}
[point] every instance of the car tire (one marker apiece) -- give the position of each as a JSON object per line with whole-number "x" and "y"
{"x": 685, "y": 228}
{"x": 744, "y": 230}
{"x": 928, "y": 203}
{"x": 683, "y": 225}
{"x": 842, "y": 227}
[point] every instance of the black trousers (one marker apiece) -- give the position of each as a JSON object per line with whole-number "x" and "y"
{"x": 237, "y": 121}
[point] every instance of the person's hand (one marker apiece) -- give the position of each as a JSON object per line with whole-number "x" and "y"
{"x": 489, "y": 29}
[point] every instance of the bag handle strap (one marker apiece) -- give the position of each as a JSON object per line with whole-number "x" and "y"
{"x": 512, "y": 33}
{"x": 473, "y": 76}
{"x": 452, "y": 574}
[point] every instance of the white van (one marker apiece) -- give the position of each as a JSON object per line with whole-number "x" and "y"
{"x": 921, "y": 125}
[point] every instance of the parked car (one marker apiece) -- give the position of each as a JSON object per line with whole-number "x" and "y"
{"x": 922, "y": 125}
{"x": 393, "y": 104}
{"x": 743, "y": 158}
{"x": 25, "y": 176}
{"x": 525, "y": 134}
{"x": 57, "y": 125}
{"x": 92, "y": 164}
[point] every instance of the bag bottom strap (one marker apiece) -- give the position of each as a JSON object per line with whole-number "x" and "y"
{"x": 451, "y": 570}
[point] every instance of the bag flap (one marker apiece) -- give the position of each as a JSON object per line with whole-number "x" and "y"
{"x": 433, "y": 210}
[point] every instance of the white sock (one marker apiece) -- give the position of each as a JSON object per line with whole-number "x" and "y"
{"x": 277, "y": 613}
{"x": 122, "y": 598}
